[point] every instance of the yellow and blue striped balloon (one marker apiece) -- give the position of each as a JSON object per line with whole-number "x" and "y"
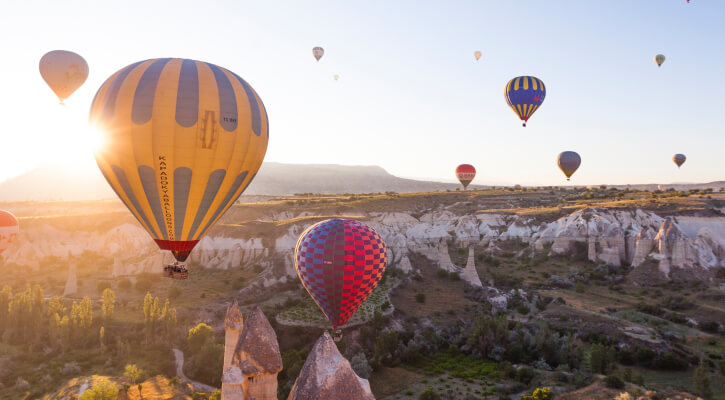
{"x": 524, "y": 94}
{"x": 182, "y": 139}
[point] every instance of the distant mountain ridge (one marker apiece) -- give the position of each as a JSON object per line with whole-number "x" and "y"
{"x": 72, "y": 183}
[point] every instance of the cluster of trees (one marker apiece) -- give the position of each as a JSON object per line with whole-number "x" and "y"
{"x": 159, "y": 323}
{"x": 28, "y": 318}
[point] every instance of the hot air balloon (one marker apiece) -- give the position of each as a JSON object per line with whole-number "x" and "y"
{"x": 340, "y": 262}
{"x": 182, "y": 140}
{"x": 569, "y": 162}
{"x": 8, "y": 229}
{"x": 465, "y": 174}
{"x": 477, "y": 54}
{"x": 318, "y": 52}
{"x": 524, "y": 94}
{"x": 64, "y": 71}
{"x": 336, "y": 77}
{"x": 679, "y": 159}
{"x": 659, "y": 60}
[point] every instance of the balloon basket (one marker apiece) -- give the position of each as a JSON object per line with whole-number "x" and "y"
{"x": 176, "y": 270}
{"x": 337, "y": 335}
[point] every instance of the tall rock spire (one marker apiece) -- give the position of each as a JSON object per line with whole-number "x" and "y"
{"x": 328, "y": 375}
{"x": 233, "y": 324}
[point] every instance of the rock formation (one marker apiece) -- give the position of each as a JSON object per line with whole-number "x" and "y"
{"x": 327, "y": 375}
{"x": 470, "y": 274}
{"x": 233, "y": 324}
{"x": 255, "y": 363}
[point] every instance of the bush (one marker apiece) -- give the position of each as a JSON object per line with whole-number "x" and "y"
{"x": 669, "y": 361}
{"x": 173, "y": 292}
{"x": 258, "y": 268}
{"x": 613, "y": 382}
{"x": 103, "y": 285}
{"x": 429, "y": 394}
{"x": 199, "y": 335}
{"x": 709, "y": 326}
{"x": 540, "y": 394}
{"x": 125, "y": 284}
{"x": 420, "y": 297}
{"x": 525, "y": 375}
{"x": 103, "y": 390}
{"x": 442, "y": 273}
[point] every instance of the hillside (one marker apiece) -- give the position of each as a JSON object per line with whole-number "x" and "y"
{"x": 72, "y": 183}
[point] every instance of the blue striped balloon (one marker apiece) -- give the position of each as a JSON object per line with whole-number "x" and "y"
{"x": 524, "y": 94}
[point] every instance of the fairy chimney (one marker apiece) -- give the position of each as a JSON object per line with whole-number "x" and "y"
{"x": 255, "y": 363}
{"x": 328, "y": 375}
{"x": 233, "y": 324}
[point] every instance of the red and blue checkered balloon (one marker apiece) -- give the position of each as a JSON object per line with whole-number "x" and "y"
{"x": 340, "y": 262}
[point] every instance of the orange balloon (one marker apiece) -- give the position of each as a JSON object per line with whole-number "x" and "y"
{"x": 64, "y": 71}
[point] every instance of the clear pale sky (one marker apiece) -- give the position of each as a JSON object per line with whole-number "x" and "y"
{"x": 410, "y": 98}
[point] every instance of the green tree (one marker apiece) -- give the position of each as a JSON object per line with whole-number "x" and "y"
{"x": 540, "y": 394}
{"x": 598, "y": 359}
{"x": 168, "y": 320}
{"x": 103, "y": 390}
{"x": 108, "y": 303}
{"x": 6, "y": 294}
{"x": 198, "y": 336}
{"x": 385, "y": 345}
{"x": 102, "y": 337}
{"x": 132, "y": 373}
{"x": 207, "y": 362}
{"x": 702, "y": 381}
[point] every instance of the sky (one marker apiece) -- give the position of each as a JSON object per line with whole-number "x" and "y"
{"x": 411, "y": 97}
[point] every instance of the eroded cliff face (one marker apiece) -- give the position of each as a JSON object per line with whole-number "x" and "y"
{"x": 681, "y": 248}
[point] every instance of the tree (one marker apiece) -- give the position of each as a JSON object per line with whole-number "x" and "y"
{"x": 132, "y": 373}
{"x": 198, "y": 336}
{"x": 385, "y": 345}
{"x": 103, "y": 390}
{"x": 702, "y": 381}
{"x": 102, "y": 338}
{"x": 598, "y": 359}
{"x": 207, "y": 362}
{"x": 359, "y": 364}
{"x": 108, "y": 303}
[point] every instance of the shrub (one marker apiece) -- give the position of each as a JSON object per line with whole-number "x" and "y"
{"x": 420, "y": 297}
{"x": 429, "y": 394}
{"x": 258, "y": 268}
{"x": 709, "y": 326}
{"x": 103, "y": 285}
{"x": 173, "y": 292}
{"x": 540, "y": 394}
{"x": 125, "y": 284}
{"x": 103, "y": 390}
{"x": 613, "y": 382}
{"x": 525, "y": 375}
{"x": 442, "y": 273}
{"x": 669, "y": 361}
{"x": 199, "y": 335}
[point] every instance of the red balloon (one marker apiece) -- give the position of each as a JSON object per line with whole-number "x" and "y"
{"x": 8, "y": 229}
{"x": 465, "y": 174}
{"x": 340, "y": 262}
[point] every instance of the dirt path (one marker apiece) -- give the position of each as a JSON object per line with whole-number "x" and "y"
{"x": 179, "y": 356}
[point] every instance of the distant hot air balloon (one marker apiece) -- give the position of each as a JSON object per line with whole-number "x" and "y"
{"x": 8, "y": 229}
{"x": 679, "y": 159}
{"x": 182, "y": 140}
{"x": 659, "y": 60}
{"x": 318, "y": 52}
{"x": 340, "y": 262}
{"x": 569, "y": 162}
{"x": 336, "y": 76}
{"x": 64, "y": 71}
{"x": 465, "y": 174}
{"x": 477, "y": 54}
{"x": 524, "y": 94}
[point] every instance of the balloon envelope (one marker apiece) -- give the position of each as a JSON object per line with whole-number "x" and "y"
{"x": 182, "y": 140}
{"x": 64, "y": 71}
{"x": 465, "y": 174}
{"x": 679, "y": 159}
{"x": 318, "y": 52}
{"x": 9, "y": 229}
{"x": 659, "y": 60}
{"x": 569, "y": 162}
{"x": 524, "y": 94}
{"x": 340, "y": 262}
{"x": 477, "y": 54}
